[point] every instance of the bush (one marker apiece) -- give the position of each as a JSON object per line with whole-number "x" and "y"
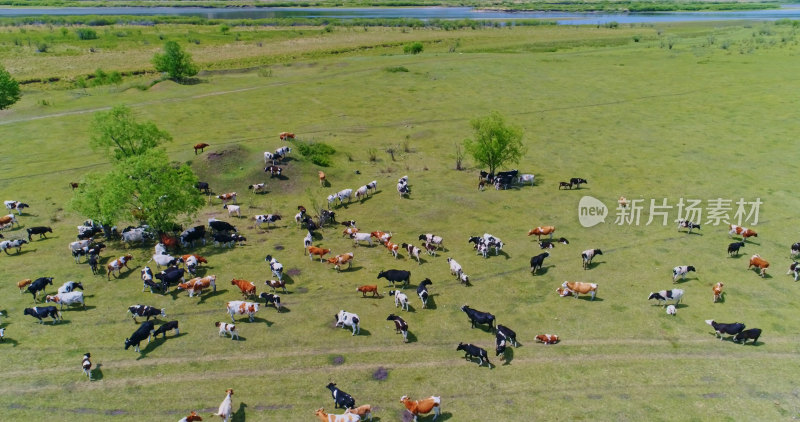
{"x": 413, "y": 48}
{"x": 86, "y": 34}
{"x": 317, "y": 152}
{"x": 395, "y": 69}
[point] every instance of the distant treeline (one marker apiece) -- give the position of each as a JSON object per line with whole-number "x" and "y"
{"x": 531, "y": 5}
{"x": 97, "y": 20}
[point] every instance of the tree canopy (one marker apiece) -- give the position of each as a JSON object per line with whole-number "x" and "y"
{"x": 119, "y": 131}
{"x": 177, "y": 63}
{"x": 9, "y": 89}
{"x": 495, "y": 143}
{"x": 145, "y": 187}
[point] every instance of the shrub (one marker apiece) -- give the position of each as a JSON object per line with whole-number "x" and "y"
{"x": 86, "y": 34}
{"x": 317, "y": 152}
{"x": 225, "y": 29}
{"x": 413, "y": 48}
{"x": 395, "y": 69}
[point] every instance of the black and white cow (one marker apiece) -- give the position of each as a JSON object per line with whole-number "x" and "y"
{"x": 189, "y": 236}
{"x": 16, "y": 205}
{"x": 273, "y": 170}
{"x": 228, "y": 240}
{"x": 141, "y": 333}
{"x": 546, "y": 244}
{"x": 794, "y": 268}
{"x": 721, "y": 329}
{"x": 145, "y": 311}
{"x": 588, "y": 255}
{"x": 665, "y": 295}
{"x": 733, "y": 248}
{"x": 681, "y": 272}
{"x": 39, "y": 285}
{"x": 15, "y": 243}
{"x": 275, "y": 266}
{"x": 686, "y": 224}
{"x": 340, "y": 398}
{"x": 267, "y": 218}
{"x": 394, "y": 276}
{"x": 503, "y": 337}
{"x": 221, "y": 226}
{"x": 40, "y": 312}
{"x": 422, "y": 291}
{"x": 94, "y": 262}
{"x": 751, "y": 334}
{"x": 272, "y": 298}
{"x": 40, "y": 230}
{"x": 172, "y": 325}
{"x": 70, "y": 286}
{"x": 478, "y": 317}
{"x": 400, "y": 326}
{"x": 537, "y": 261}
{"x": 577, "y": 181}
{"x": 136, "y": 235}
{"x": 470, "y": 351}
{"x": 171, "y": 275}
{"x": 795, "y": 250}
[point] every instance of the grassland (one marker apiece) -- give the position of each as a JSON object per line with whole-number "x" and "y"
{"x": 692, "y": 111}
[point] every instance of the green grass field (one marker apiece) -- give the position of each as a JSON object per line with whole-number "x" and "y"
{"x": 711, "y": 117}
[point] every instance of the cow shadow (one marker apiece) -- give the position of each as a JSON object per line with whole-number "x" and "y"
{"x": 503, "y": 254}
{"x": 149, "y": 347}
{"x": 10, "y": 341}
{"x": 542, "y": 271}
{"x": 354, "y": 268}
{"x": 85, "y": 308}
{"x": 588, "y": 298}
{"x": 210, "y": 295}
{"x": 508, "y": 356}
{"x": 477, "y": 360}
{"x": 758, "y": 272}
{"x": 431, "y": 302}
{"x": 22, "y": 252}
{"x": 97, "y": 372}
{"x": 411, "y": 337}
{"x": 363, "y": 332}
{"x": 282, "y": 310}
{"x": 737, "y": 256}
{"x": 685, "y": 280}
{"x": 485, "y": 328}
{"x": 750, "y": 242}
{"x": 287, "y": 279}
{"x": 257, "y": 319}
{"x": 594, "y": 264}
{"x": 240, "y": 415}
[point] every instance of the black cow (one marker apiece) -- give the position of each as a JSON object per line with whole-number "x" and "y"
{"x": 394, "y": 276}
{"x": 743, "y": 336}
{"x": 478, "y": 317}
{"x": 537, "y": 261}
{"x": 203, "y": 186}
{"x": 40, "y": 312}
{"x": 227, "y": 239}
{"x": 171, "y": 275}
{"x": 577, "y": 181}
{"x": 422, "y": 291}
{"x": 40, "y": 230}
{"x": 340, "y": 398}
{"x": 143, "y": 332}
{"x": 172, "y": 325}
{"x": 145, "y": 311}
{"x": 195, "y": 233}
{"x": 563, "y": 240}
{"x": 273, "y": 299}
{"x": 734, "y": 248}
{"x": 470, "y": 351}
{"x": 221, "y": 226}
{"x": 721, "y": 329}
{"x": 39, "y": 285}
{"x": 504, "y": 335}
{"x": 94, "y": 262}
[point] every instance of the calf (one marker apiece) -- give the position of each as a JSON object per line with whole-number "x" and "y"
{"x": 9, "y": 219}
{"x": 751, "y": 334}
{"x": 392, "y": 247}
{"x": 795, "y": 250}
{"x": 226, "y": 407}
{"x": 471, "y": 351}
{"x": 274, "y": 284}
{"x": 361, "y": 193}
{"x": 141, "y": 333}
{"x": 721, "y": 329}
{"x": 40, "y": 230}
{"x": 793, "y": 268}
{"x": 220, "y": 226}
{"x": 547, "y": 339}
{"x": 86, "y": 365}
{"x": 227, "y": 329}
{"x": 478, "y": 317}
{"x": 400, "y": 299}
{"x": 537, "y": 261}
{"x": 671, "y": 310}
{"x": 363, "y": 412}
{"x": 203, "y": 186}
{"x": 273, "y": 171}
{"x": 588, "y": 255}
{"x": 733, "y": 248}
{"x": 247, "y": 288}
{"x": 285, "y": 135}
{"x": 422, "y": 291}
{"x": 665, "y": 295}
{"x": 145, "y": 311}
{"x": 40, "y": 312}
{"x": 228, "y": 240}
{"x": 717, "y": 291}
{"x": 394, "y": 276}
{"x": 273, "y": 299}
{"x": 94, "y": 263}
{"x": 193, "y": 417}
{"x": 523, "y": 178}
{"x": 544, "y": 244}
{"x": 361, "y": 237}
{"x": 681, "y": 272}
{"x": 431, "y": 238}
{"x": 565, "y": 185}
{"x": 430, "y": 248}
{"x": 760, "y": 263}
{"x": 400, "y": 326}
{"x": 307, "y": 240}
{"x": 8, "y": 244}
{"x": 348, "y": 319}
{"x": 577, "y": 181}
{"x": 172, "y": 325}
{"x": 340, "y": 398}
{"x": 23, "y": 284}
{"x": 369, "y": 289}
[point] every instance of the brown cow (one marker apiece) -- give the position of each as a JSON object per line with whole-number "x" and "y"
{"x": 245, "y": 286}
{"x": 201, "y": 146}
{"x": 542, "y": 231}
{"x": 577, "y": 287}
{"x": 367, "y": 289}
{"x": 757, "y": 261}
{"x": 313, "y": 250}
{"x": 417, "y": 407}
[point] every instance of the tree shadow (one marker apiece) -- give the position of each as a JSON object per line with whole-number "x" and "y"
{"x": 240, "y": 415}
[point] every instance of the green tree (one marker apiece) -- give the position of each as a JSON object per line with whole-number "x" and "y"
{"x": 9, "y": 89}
{"x": 146, "y": 187}
{"x": 118, "y": 130}
{"x": 175, "y": 62}
{"x": 495, "y": 143}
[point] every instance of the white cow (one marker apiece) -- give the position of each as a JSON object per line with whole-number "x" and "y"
{"x": 344, "y": 193}
{"x": 164, "y": 260}
{"x": 361, "y": 237}
{"x": 233, "y": 209}
{"x": 347, "y": 319}
{"x": 70, "y": 298}
{"x": 400, "y": 299}
{"x": 239, "y": 307}
{"x": 455, "y": 267}
{"x": 226, "y": 407}
{"x": 361, "y": 192}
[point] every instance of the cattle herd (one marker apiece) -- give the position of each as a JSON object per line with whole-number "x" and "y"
{"x": 173, "y": 271}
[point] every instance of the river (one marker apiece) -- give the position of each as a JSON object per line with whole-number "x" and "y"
{"x": 422, "y": 13}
